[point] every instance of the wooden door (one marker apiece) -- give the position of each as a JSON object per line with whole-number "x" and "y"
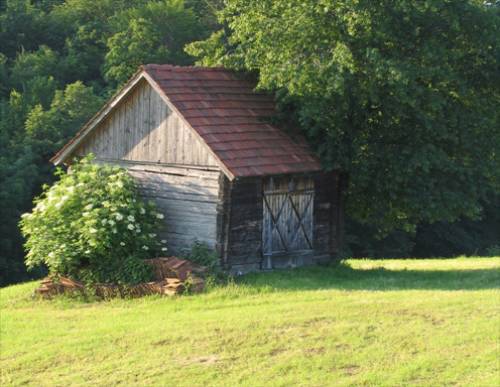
{"x": 288, "y": 215}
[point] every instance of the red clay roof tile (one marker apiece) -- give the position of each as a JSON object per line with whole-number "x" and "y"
{"x": 226, "y": 111}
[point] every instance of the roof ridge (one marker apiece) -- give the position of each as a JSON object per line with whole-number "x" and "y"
{"x": 156, "y": 66}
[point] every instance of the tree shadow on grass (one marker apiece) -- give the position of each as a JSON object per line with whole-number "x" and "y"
{"x": 345, "y": 277}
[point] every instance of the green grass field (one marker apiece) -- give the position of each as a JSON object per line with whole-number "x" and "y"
{"x": 368, "y": 323}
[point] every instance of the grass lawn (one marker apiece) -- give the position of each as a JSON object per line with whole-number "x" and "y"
{"x": 370, "y": 323}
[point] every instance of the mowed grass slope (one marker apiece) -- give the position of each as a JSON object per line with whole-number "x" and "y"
{"x": 382, "y": 323}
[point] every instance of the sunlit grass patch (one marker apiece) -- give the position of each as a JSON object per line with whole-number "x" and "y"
{"x": 366, "y": 322}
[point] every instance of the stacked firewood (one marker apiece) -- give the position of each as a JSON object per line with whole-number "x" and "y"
{"x": 172, "y": 276}
{"x": 51, "y": 286}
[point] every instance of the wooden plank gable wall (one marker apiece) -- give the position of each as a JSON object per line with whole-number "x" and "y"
{"x": 170, "y": 164}
{"x": 143, "y": 128}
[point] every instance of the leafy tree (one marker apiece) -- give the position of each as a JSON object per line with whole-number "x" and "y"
{"x": 413, "y": 86}
{"x": 401, "y": 96}
{"x": 53, "y": 60}
{"x": 87, "y": 27}
{"x": 31, "y": 74}
{"x": 153, "y": 33}
{"x": 69, "y": 109}
{"x": 29, "y": 136}
{"x": 20, "y": 25}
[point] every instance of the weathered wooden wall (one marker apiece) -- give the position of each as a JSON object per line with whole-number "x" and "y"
{"x": 288, "y": 214}
{"x": 245, "y": 226}
{"x": 170, "y": 164}
{"x": 177, "y": 170}
{"x": 143, "y": 128}
{"x": 187, "y": 197}
{"x": 244, "y": 230}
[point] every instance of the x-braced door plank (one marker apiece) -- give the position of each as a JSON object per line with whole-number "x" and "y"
{"x": 274, "y": 222}
{"x": 300, "y": 220}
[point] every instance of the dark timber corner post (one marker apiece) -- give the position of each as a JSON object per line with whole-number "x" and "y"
{"x": 223, "y": 220}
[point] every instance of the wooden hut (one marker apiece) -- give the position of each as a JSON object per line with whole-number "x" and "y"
{"x": 200, "y": 144}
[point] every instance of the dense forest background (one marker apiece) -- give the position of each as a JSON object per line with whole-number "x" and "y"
{"x": 61, "y": 59}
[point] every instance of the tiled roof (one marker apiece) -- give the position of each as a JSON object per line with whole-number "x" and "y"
{"x": 230, "y": 116}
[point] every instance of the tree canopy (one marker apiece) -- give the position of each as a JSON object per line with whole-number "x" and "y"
{"x": 401, "y": 96}
{"x": 59, "y": 61}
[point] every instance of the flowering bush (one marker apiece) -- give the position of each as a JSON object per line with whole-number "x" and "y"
{"x": 92, "y": 226}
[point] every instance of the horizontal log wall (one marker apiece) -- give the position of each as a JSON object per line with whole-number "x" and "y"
{"x": 187, "y": 197}
{"x": 244, "y": 230}
{"x": 244, "y": 246}
{"x": 171, "y": 165}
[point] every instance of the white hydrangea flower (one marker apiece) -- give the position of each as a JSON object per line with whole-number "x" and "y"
{"x": 164, "y": 249}
{"x": 111, "y": 222}
{"x": 145, "y": 247}
{"x": 114, "y": 231}
{"x": 122, "y": 243}
{"x": 159, "y": 216}
{"x": 104, "y": 221}
{"x": 130, "y": 218}
{"x": 130, "y": 226}
{"x": 163, "y": 241}
{"x": 142, "y": 211}
{"x": 119, "y": 216}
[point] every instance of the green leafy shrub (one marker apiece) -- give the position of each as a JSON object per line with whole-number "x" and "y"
{"x": 493, "y": 251}
{"x": 203, "y": 255}
{"x": 92, "y": 226}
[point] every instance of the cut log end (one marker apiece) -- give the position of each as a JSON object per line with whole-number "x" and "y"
{"x": 172, "y": 277}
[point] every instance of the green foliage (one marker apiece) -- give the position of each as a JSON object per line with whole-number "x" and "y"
{"x": 69, "y": 110}
{"x": 153, "y": 33}
{"x": 202, "y": 254}
{"x": 402, "y": 96}
{"x": 434, "y": 323}
{"x": 493, "y": 251}
{"x": 54, "y": 59}
{"x": 21, "y": 26}
{"x": 92, "y": 226}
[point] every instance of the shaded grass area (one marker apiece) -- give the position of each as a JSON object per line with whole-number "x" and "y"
{"x": 385, "y": 275}
{"x": 384, "y": 322}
